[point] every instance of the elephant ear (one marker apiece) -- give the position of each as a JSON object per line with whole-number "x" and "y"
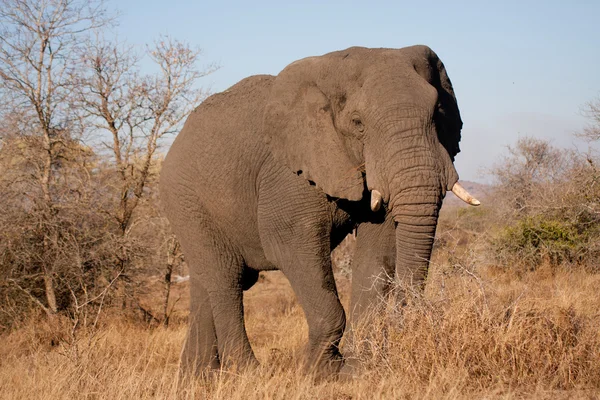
{"x": 299, "y": 128}
{"x": 447, "y": 114}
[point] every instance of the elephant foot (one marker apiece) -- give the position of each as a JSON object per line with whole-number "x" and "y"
{"x": 207, "y": 374}
{"x": 241, "y": 364}
{"x": 326, "y": 370}
{"x": 351, "y": 370}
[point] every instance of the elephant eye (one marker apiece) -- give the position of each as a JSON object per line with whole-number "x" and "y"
{"x": 357, "y": 122}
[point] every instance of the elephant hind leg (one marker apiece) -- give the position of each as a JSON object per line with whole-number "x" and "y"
{"x": 217, "y": 337}
{"x": 225, "y": 275}
{"x": 200, "y": 353}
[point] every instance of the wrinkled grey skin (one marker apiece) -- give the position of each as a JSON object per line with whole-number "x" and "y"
{"x": 274, "y": 172}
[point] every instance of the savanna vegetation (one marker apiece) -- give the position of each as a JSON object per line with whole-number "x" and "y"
{"x": 93, "y": 299}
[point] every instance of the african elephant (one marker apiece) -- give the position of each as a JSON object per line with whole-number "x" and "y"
{"x": 275, "y": 171}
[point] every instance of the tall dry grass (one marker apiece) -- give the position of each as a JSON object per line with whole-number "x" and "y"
{"x": 476, "y": 333}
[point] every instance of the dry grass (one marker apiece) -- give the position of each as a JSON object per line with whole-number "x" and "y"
{"x": 483, "y": 333}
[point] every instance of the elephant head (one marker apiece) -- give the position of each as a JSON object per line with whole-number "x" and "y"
{"x": 382, "y": 119}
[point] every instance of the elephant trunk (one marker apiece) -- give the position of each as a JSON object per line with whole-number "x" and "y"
{"x": 414, "y": 243}
{"x": 417, "y": 186}
{"x": 416, "y": 220}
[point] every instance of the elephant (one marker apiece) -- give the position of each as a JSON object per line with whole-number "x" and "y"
{"x": 274, "y": 172}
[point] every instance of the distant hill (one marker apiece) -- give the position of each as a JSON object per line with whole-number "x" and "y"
{"x": 478, "y": 190}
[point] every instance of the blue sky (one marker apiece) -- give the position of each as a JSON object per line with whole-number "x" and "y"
{"x": 519, "y": 68}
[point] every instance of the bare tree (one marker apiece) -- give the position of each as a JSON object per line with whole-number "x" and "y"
{"x": 137, "y": 112}
{"x": 38, "y": 39}
{"x": 527, "y": 177}
{"x": 80, "y": 145}
{"x": 591, "y": 110}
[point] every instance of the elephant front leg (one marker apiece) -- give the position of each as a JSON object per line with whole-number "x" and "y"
{"x": 373, "y": 269}
{"x": 306, "y": 263}
{"x": 295, "y": 234}
{"x": 313, "y": 283}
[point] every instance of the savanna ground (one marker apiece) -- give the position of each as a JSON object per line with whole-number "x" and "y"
{"x": 481, "y": 330}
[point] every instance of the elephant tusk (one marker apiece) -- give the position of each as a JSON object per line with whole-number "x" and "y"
{"x": 375, "y": 200}
{"x": 462, "y": 194}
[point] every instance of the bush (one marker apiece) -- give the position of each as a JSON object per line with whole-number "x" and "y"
{"x": 534, "y": 240}
{"x": 547, "y": 206}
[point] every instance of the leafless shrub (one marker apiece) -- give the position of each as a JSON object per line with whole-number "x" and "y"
{"x": 487, "y": 334}
{"x": 79, "y": 156}
{"x": 37, "y": 46}
{"x": 485, "y": 328}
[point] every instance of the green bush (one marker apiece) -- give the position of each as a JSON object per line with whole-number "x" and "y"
{"x": 549, "y": 238}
